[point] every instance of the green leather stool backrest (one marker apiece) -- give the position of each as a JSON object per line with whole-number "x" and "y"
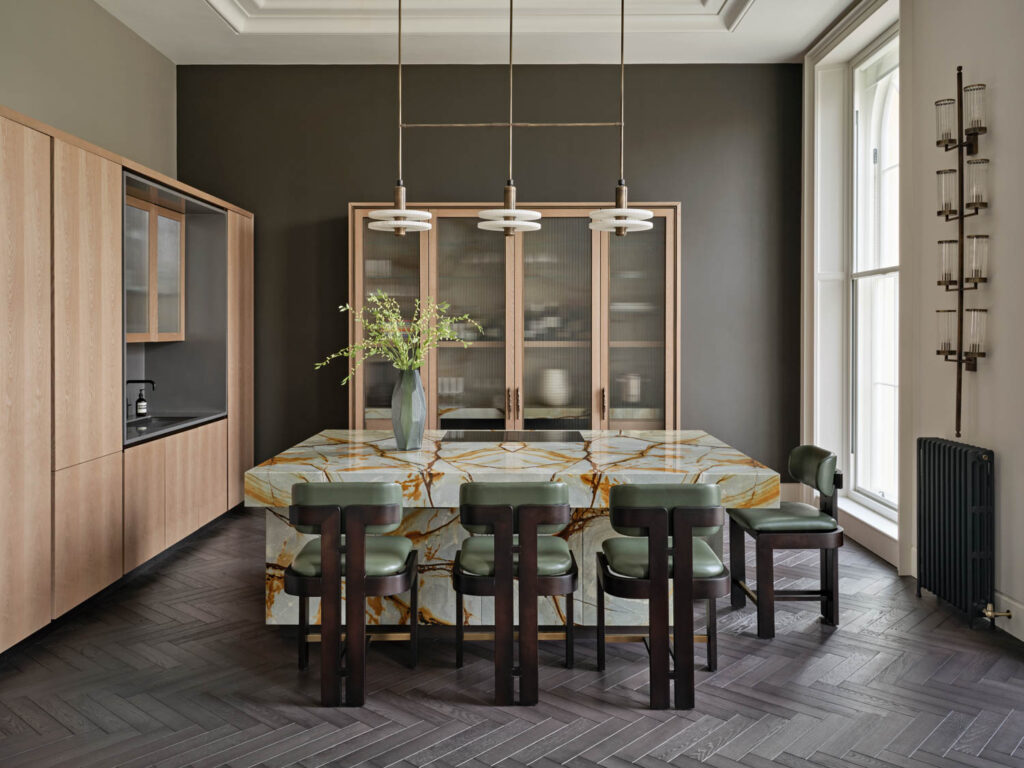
{"x": 347, "y": 495}
{"x": 667, "y": 495}
{"x": 515, "y": 495}
{"x": 815, "y": 467}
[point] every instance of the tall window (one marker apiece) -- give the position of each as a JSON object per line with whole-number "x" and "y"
{"x": 874, "y": 277}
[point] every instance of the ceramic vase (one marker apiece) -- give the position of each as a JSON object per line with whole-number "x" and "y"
{"x": 408, "y": 411}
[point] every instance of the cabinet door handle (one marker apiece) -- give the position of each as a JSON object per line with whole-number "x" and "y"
{"x": 519, "y": 402}
{"x": 508, "y": 401}
{"x": 604, "y": 403}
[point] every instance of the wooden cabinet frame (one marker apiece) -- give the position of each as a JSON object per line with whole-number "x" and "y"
{"x": 154, "y": 334}
{"x": 514, "y": 282}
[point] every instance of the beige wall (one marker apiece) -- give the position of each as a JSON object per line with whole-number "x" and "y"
{"x": 936, "y": 36}
{"x": 71, "y": 64}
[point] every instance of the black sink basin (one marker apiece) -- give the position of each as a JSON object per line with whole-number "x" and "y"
{"x": 137, "y": 430}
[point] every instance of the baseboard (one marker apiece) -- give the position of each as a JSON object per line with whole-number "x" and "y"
{"x": 1015, "y": 625}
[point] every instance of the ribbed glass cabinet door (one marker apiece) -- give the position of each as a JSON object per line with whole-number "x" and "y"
{"x": 394, "y": 265}
{"x": 638, "y": 284}
{"x": 556, "y": 270}
{"x": 136, "y": 270}
{"x": 471, "y": 267}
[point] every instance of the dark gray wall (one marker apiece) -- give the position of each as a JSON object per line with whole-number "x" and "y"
{"x": 296, "y": 144}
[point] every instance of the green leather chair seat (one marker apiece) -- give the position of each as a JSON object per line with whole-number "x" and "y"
{"x": 791, "y": 516}
{"x": 628, "y": 557}
{"x": 385, "y": 556}
{"x": 553, "y": 558}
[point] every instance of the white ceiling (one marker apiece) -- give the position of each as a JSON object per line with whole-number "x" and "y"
{"x": 476, "y": 31}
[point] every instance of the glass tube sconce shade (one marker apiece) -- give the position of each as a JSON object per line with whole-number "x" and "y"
{"x": 976, "y": 189}
{"x": 945, "y": 123}
{"x": 976, "y": 266}
{"x": 947, "y": 262}
{"x": 946, "y": 331}
{"x": 975, "y": 332}
{"x": 946, "y": 187}
{"x": 974, "y": 109}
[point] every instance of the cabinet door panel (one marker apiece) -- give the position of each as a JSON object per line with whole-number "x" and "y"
{"x": 143, "y": 503}
{"x": 170, "y": 275}
{"x": 557, "y": 275}
{"x": 87, "y": 325}
{"x": 195, "y": 479}
{"x": 471, "y": 274}
{"x": 137, "y": 274}
{"x": 240, "y": 355}
{"x": 24, "y": 381}
{"x": 87, "y": 530}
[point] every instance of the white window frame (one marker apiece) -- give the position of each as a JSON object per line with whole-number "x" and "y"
{"x": 888, "y": 508}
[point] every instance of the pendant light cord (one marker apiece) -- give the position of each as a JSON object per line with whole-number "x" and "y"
{"x": 400, "y": 181}
{"x": 622, "y": 91}
{"x": 510, "y": 83}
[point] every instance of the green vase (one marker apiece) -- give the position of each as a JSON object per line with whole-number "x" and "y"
{"x": 408, "y": 411}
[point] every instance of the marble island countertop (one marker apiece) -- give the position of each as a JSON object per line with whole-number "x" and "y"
{"x": 431, "y": 476}
{"x": 430, "y": 479}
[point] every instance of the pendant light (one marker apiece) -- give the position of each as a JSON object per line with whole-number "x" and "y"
{"x": 399, "y": 219}
{"x": 621, "y": 219}
{"x": 509, "y": 219}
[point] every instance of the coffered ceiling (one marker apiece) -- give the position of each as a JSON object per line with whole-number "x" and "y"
{"x": 475, "y": 31}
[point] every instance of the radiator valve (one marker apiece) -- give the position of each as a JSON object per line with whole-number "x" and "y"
{"x": 990, "y": 612}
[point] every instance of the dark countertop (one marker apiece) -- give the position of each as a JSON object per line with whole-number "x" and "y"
{"x": 161, "y": 425}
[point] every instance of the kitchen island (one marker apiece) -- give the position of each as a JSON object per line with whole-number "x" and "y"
{"x": 430, "y": 480}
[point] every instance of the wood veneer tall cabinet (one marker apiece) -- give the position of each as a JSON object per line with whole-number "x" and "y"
{"x": 240, "y": 427}
{"x": 25, "y": 374}
{"x": 87, "y": 378}
{"x": 579, "y": 328}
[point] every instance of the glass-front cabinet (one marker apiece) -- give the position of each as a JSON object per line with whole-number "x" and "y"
{"x": 154, "y": 272}
{"x": 578, "y": 329}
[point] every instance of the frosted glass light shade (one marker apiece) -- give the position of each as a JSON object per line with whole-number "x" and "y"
{"x": 948, "y": 262}
{"x": 946, "y": 327}
{"x": 974, "y": 109}
{"x": 976, "y": 194}
{"x": 404, "y": 219}
{"x": 496, "y": 214}
{"x": 624, "y": 219}
{"x": 508, "y": 225}
{"x": 975, "y": 320}
{"x": 946, "y": 188}
{"x": 945, "y": 122}
{"x": 976, "y": 269}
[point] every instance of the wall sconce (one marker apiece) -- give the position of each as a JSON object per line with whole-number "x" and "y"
{"x": 977, "y": 260}
{"x": 946, "y": 327}
{"x": 947, "y": 192}
{"x": 947, "y": 264}
{"x": 977, "y": 184}
{"x": 945, "y": 122}
{"x": 974, "y": 109}
{"x": 961, "y": 189}
{"x": 976, "y": 322}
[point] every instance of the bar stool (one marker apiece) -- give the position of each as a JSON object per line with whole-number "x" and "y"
{"x": 793, "y": 525}
{"x": 662, "y": 524}
{"x": 371, "y": 563}
{"x": 513, "y": 527}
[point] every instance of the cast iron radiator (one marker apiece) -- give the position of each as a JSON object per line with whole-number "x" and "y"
{"x": 955, "y": 524}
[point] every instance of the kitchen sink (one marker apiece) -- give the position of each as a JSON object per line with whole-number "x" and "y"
{"x": 150, "y": 426}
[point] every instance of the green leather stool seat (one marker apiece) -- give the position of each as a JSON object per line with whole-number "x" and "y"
{"x": 385, "y": 556}
{"x": 553, "y": 557}
{"x": 790, "y": 517}
{"x": 628, "y": 557}
{"x": 347, "y": 495}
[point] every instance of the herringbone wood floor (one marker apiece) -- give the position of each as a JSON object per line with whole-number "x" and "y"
{"x": 174, "y": 667}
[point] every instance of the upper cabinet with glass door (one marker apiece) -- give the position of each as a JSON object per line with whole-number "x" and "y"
{"x": 395, "y": 265}
{"x": 577, "y": 328}
{"x": 154, "y": 272}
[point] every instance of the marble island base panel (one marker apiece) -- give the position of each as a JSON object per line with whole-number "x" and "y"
{"x": 430, "y": 479}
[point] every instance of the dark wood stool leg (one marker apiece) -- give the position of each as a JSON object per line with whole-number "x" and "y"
{"x": 712, "y": 630}
{"x": 570, "y": 623}
{"x": 330, "y": 612}
{"x": 658, "y": 627}
{"x": 737, "y": 563}
{"x": 355, "y": 618}
{"x": 832, "y": 617}
{"x": 826, "y": 591}
{"x": 303, "y": 632}
{"x": 600, "y": 624}
{"x": 765, "y": 589}
{"x": 459, "y": 628}
{"x": 414, "y": 614}
{"x": 682, "y": 641}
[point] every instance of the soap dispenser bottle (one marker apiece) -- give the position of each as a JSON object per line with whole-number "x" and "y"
{"x": 141, "y": 406}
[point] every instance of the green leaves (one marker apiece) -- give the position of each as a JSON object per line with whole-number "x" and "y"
{"x": 387, "y": 334}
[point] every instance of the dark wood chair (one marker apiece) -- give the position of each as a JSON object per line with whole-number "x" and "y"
{"x": 794, "y": 525}
{"x": 641, "y": 565}
{"x": 373, "y": 565}
{"x": 514, "y": 527}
